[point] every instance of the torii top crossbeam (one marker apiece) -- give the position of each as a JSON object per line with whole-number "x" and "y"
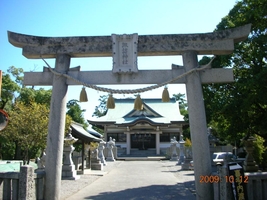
{"x": 216, "y": 43}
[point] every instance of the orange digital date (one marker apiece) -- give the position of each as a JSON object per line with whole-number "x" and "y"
{"x": 227, "y": 179}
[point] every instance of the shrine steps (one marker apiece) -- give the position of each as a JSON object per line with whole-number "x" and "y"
{"x": 141, "y": 155}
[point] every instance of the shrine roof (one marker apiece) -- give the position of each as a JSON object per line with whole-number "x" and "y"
{"x": 155, "y": 112}
{"x": 79, "y": 132}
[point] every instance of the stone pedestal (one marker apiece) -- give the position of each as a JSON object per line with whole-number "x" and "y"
{"x": 96, "y": 165}
{"x": 27, "y": 183}
{"x": 174, "y": 155}
{"x": 188, "y": 158}
{"x": 95, "y": 161}
{"x": 69, "y": 172}
{"x": 225, "y": 187}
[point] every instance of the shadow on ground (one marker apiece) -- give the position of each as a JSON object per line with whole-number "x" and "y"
{"x": 153, "y": 192}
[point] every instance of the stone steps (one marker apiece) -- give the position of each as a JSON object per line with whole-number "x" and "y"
{"x": 136, "y": 155}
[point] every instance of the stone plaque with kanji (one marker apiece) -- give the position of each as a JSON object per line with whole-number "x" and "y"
{"x": 124, "y": 49}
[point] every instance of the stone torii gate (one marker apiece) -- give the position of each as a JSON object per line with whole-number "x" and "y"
{"x": 187, "y": 45}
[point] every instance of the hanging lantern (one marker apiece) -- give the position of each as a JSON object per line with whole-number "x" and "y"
{"x": 83, "y": 95}
{"x": 138, "y": 104}
{"x": 165, "y": 95}
{"x": 110, "y": 102}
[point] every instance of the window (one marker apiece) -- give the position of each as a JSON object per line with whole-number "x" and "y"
{"x": 119, "y": 137}
{"x": 166, "y": 137}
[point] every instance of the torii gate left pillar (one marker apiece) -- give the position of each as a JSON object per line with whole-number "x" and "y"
{"x": 56, "y": 127}
{"x": 187, "y": 45}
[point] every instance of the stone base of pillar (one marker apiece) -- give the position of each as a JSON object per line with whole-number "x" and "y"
{"x": 110, "y": 159}
{"x": 96, "y": 166}
{"x": 69, "y": 172}
{"x": 186, "y": 164}
{"x": 174, "y": 158}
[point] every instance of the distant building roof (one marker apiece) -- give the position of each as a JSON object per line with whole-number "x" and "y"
{"x": 94, "y": 132}
{"x": 155, "y": 112}
{"x": 79, "y": 132}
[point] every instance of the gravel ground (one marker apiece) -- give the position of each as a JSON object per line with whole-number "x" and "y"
{"x": 186, "y": 177}
{"x": 69, "y": 187}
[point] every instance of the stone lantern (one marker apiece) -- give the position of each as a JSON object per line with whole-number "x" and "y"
{"x": 182, "y": 157}
{"x": 249, "y": 163}
{"x": 68, "y": 168}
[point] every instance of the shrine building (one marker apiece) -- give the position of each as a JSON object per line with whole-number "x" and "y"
{"x": 150, "y": 128}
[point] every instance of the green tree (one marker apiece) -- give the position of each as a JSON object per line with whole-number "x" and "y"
{"x": 239, "y": 109}
{"x": 15, "y": 91}
{"x": 75, "y": 112}
{"x": 17, "y": 73}
{"x": 9, "y": 88}
{"x": 40, "y": 96}
{"x": 182, "y": 104}
{"x": 183, "y": 110}
{"x": 27, "y": 129}
{"x": 101, "y": 109}
{"x": 25, "y": 135}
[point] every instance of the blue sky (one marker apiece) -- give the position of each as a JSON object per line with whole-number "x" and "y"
{"x": 105, "y": 17}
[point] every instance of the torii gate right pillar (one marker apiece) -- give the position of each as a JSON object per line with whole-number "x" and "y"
{"x": 198, "y": 126}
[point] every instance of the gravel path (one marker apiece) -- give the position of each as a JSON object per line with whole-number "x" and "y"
{"x": 70, "y": 187}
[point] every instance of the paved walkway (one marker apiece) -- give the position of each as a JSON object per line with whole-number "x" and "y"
{"x": 134, "y": 180}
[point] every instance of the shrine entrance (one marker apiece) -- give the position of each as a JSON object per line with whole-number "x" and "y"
{"x": 124, "y": 50}
{"x": 143, "y": 141}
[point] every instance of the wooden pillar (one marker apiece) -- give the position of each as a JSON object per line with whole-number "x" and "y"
{"x": 128, "y": 143}
{"x": 157, "y": 143}
{"x": 198, "y": 127}
{"x": 83, "y": 146}
{"x": 55, "y": 138}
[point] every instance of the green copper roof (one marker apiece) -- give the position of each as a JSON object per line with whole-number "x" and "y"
{"x": 79, "y": 132}
{"x": 155, "y": 112}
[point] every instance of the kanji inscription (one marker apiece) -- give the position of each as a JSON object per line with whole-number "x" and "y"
{"x": 124, "y": 53}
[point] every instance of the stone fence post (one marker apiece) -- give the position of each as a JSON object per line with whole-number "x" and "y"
{"x": 27, "y": 190}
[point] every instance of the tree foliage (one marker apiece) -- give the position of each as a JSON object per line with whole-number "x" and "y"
{"x": 9, "y": 88}
{"x": 40, "y": 96}
{"x": 27, "y": 128}
{"x": 101, "y": 109}
{"x": 28, "y": 109}
{"x": 237, "y": 110}
{"x": 75, "y": 112}
{"x": 13, "y": 90}
{"x": 183, "y": 110}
